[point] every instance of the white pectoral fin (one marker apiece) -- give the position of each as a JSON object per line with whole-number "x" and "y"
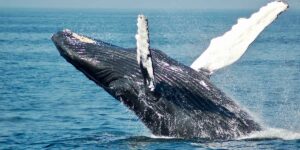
{"x": 143, "y": 51}
{"x": 228, "y": 48}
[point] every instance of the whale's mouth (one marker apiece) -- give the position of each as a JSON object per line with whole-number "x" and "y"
{"x": 71, "y": 45}
{"x": 64, "y": 46}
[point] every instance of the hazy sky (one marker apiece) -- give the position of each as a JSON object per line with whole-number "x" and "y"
{"x": 141, "y": 4}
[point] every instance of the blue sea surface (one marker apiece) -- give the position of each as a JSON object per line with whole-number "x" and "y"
{"x": 45, "y": 103}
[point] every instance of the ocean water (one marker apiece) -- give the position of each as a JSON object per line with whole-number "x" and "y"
{"x": 45, "y": 103}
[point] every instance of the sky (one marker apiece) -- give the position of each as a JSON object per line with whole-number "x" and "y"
{"x": 141, "y": 4}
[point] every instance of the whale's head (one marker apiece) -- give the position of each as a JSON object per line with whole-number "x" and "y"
{"x": 99, "y": 61}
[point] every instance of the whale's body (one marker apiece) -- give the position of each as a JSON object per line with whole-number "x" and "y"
{"x": 171, "y": 99}
{"x": 184, "y": 104}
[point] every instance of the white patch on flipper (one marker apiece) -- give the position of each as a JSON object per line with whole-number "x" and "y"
{"x": 143, "y": 49}
{"x": 227, "y": 49}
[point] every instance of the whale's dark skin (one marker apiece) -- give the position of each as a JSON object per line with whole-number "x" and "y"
{"x": 185, "y": 104}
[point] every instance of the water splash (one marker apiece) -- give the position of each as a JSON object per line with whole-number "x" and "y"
{"x": 273, "y": 133}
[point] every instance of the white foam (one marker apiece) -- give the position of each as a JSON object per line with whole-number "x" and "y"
{"x": 270, "y": 133}
{"x": 228, "y": 48}
{"x": 161, "y": 137}
{"x": 275, "y": 133}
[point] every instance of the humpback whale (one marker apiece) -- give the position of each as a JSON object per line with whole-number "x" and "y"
{"x": 170, "y": 98}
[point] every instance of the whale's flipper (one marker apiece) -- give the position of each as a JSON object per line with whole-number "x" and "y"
{"x": 143, "y": 51}
{"x": 228, "y": 48}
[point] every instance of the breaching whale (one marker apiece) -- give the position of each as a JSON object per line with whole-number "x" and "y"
{"x": 171, "y": 99}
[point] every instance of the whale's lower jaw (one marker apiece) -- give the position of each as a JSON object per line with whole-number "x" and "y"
{"x": 185, "y": 103}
